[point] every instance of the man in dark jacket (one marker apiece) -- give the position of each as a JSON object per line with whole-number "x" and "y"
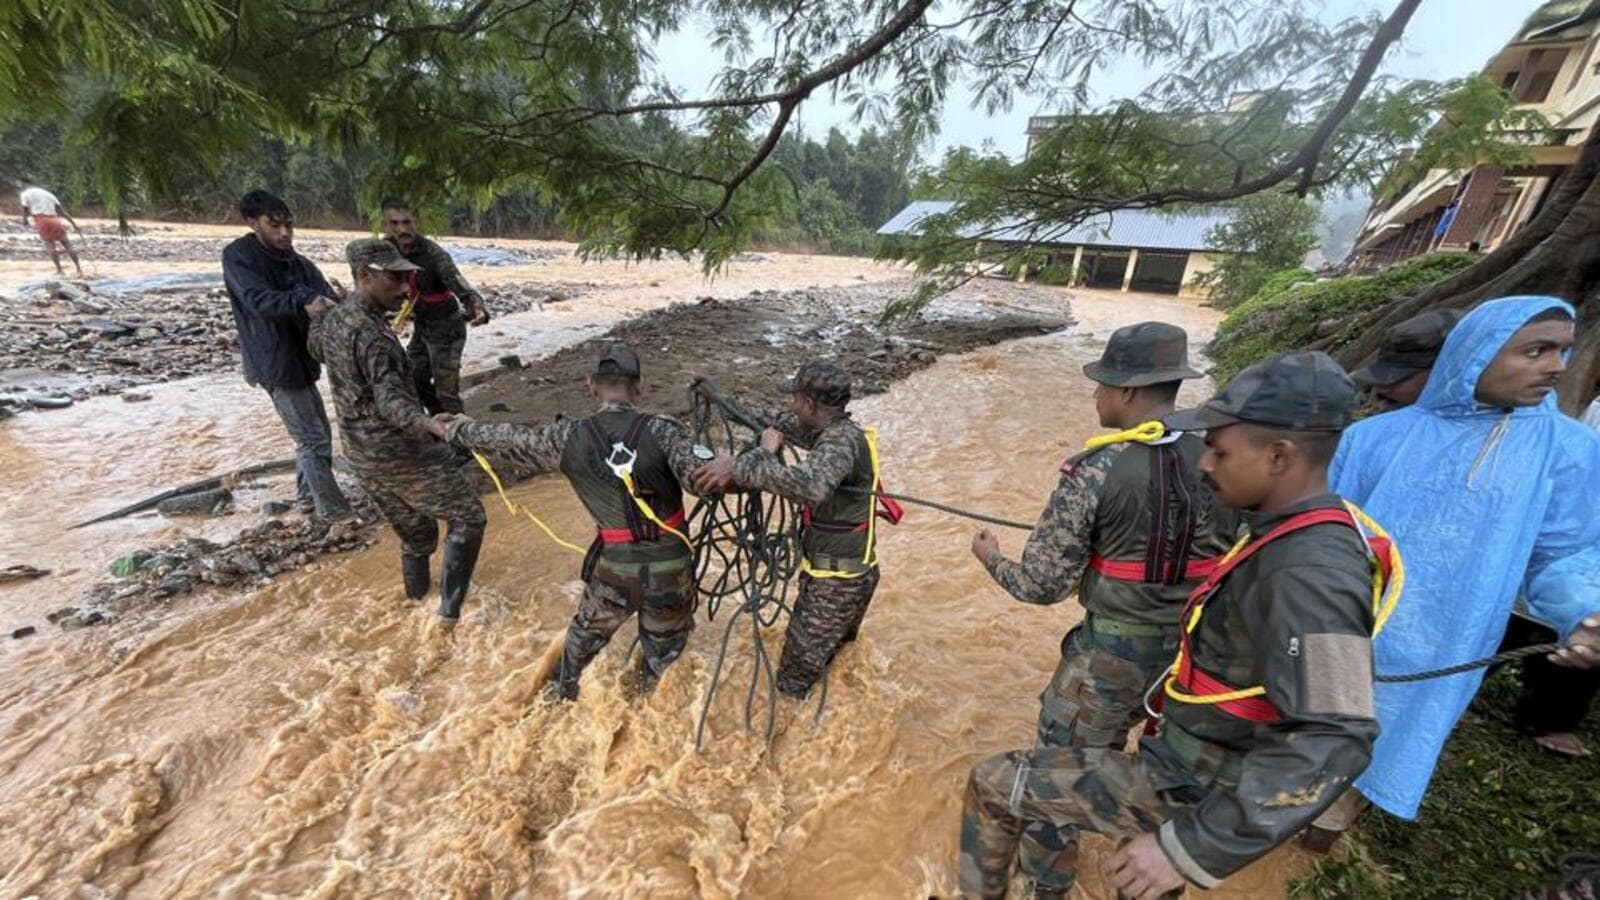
{"x": 274, "y": 292}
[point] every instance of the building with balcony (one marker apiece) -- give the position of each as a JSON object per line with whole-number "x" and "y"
{"x": 1550, "y": 66}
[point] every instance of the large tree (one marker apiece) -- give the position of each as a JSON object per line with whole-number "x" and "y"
{"x": 564, "y": 97}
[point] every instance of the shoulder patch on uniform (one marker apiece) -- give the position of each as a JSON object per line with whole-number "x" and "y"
{"x": 1077, "y": 460}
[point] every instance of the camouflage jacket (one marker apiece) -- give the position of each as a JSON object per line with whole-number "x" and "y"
{"x": 380, "y": 418}
{"x": 439, "y": 273}
{"x": 1295, "y": 617}
{"x": 1102, "y": 507}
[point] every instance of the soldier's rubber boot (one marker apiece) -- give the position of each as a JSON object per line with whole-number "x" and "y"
{"x": 415, "y": 573}
{"x": 455, "y": 575}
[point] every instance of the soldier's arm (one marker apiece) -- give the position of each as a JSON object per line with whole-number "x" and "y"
{"x": 808, "y": 482}
{"x": 773, "y": 416}
{"x": 537, "y": 446}
{"x": 383, "y": 364}
{"x": 445, "y": 267}
{"x": 1311, "y": 626}
{"x": 1058, "y": 547}
{"x": 675, "y": 441}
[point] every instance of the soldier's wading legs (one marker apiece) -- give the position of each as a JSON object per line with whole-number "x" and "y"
{"x": 608, "y": 601}
{"x": 665, "y": 621}
{"x": 1071, "y": 791}
{"x": 1097, "y": 693}
{"x": 418, "y": 532}
{"x": 442, "y": 341}
{"x": 826, "y": 612}
{"x": 422, "y": 370}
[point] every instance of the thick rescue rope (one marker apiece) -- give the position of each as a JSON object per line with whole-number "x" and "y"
{"x": 1506, "y": 657}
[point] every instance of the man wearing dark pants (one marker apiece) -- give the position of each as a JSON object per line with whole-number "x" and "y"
{"x": 274, "y": 292}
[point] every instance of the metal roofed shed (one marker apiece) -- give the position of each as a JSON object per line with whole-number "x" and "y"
{"x": 1131, "y": 250}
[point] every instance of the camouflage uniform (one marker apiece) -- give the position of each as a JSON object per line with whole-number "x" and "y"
{"x": 1102, "y": 511}
{"x": 438, "y": 331}
{"x": 1218, "y": 787}
{"x": 654, "y": 577}
{"x": 828, "y": 611}
{"x": 408, "y": 473}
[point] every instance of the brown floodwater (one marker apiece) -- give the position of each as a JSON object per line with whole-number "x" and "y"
{"x": 321, "y": 738}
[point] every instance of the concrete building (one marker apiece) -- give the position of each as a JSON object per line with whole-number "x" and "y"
{"x": 1131, "y": 250}
{"x": 1551, "y": 65}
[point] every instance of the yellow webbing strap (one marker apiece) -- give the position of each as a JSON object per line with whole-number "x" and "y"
{"x": 516, "y": 508}
{"x": 1143, "y": 433}
{"x": 404, "y": 315}
{"x": 869, "y": 557}
{"x": 627, "y": 482}
{"x": 1385, "y": 595}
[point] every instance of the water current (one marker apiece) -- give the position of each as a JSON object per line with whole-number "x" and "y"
{"x": 320, "y": 738}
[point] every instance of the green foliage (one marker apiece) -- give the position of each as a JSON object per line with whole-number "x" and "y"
{"x": 1498, "y": 817}
{"x": 1268, "y": 233}
{"x": 1478, "y": 123}
{"x": 1267, "y": 324}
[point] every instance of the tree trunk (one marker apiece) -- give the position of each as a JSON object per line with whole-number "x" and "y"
{"x": 1556, "y": 254}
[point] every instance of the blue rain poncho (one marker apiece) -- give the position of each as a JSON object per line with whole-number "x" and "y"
{"x": 1486, "y": 505}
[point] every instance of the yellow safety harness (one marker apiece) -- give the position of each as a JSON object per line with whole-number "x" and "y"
{"x": 1143, "y": 433}
{"x": 624, "y": 471}
{"x": 869, "y": 557}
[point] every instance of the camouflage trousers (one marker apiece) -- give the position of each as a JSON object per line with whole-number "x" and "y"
{"x": 664, "y": 597}
{"x": 827, "y": 615}
{"x": 434, "y": 354}
{"x": 1067, "y": 791}
{"x": 413, "y": 498}
{"x": 1097, "y": 693}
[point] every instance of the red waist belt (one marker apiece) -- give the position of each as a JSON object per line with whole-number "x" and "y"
{"x": 434, "y": 297}
{"x": 1133, "y": 569}
{"x": 625, "y": 536}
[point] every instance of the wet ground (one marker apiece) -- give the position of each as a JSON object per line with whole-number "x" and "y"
{"x": 316, "y": 736}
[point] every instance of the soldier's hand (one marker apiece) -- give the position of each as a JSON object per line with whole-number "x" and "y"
{"x": 1140, "y": 870}
{"x": 478, "y": 314}
{"x": 1583, "y": 647}
{"x": 702, "y": 383}
{"x": 714, "y": 477}
{"x": 985, "y": 545}
{"x": 772, "y": 440}
{"x": 318, "y": 306}
{"x": 439, "y": 425}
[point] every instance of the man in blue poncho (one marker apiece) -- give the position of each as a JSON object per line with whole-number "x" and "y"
{"x": 1488, "y": 490}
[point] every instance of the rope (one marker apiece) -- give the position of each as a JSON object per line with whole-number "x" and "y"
{"x": 1447, "y": 671}
{"x": 516, "y": 508}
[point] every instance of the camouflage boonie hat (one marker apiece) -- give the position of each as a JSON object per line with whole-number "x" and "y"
{"x": 1299, "y": 391}
{"x": 1408, "y": 348}
{"x": 822, "y": 381}
{"x": 619, "y": 359}
{"x": 1146, "y": 353}
{"x": 372, "y": 253}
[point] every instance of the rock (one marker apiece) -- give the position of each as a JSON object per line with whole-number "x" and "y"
{"x": 276, "y": 507}
{"x": 134, "y": 397}
{"x": 49, "y": 402}
{"x": 21, "y": 572}
{"x": 61, "y": 615}
{"x": 497, "y": 406}
{"x": 246, "y": 562}
{"x": 160, "y": 563}
{"x": 510, "y": 361}
{"x": 23, "y": 632}
{"x": 1329, "y": 326}
{"x": 147, "y": 333}
{"x": 174, "y": 584}
{"x": 129, "y": 563}
{"x": 200, "y": 503}
{"x": 107, "y": 328}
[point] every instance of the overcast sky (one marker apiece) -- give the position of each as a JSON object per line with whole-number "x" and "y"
{"x": 1446, "y": 39}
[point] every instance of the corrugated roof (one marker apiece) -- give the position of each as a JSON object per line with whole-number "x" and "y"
{"x": 1125, "y": 228}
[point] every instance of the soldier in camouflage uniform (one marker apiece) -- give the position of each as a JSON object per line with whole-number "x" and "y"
{"x": 406, "y": 471}
{"x": 637, "y": 564}
{"x": 1224, "y": 781}
{"x": 438, "y": 331}
{"x": 1132, "y": 521}
{"x": 839, "y": 569}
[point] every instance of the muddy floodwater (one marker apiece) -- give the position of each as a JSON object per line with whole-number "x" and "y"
{"x": 320, "y": 738}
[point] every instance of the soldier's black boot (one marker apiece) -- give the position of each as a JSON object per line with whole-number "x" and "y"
{"x": 414, "y": 572}
{"x": 455, "y": 575}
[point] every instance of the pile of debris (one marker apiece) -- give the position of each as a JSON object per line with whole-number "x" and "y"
{"x": 255, "y": 557}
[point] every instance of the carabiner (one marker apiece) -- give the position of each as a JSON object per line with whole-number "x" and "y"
{"x": 623, "y": 469}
